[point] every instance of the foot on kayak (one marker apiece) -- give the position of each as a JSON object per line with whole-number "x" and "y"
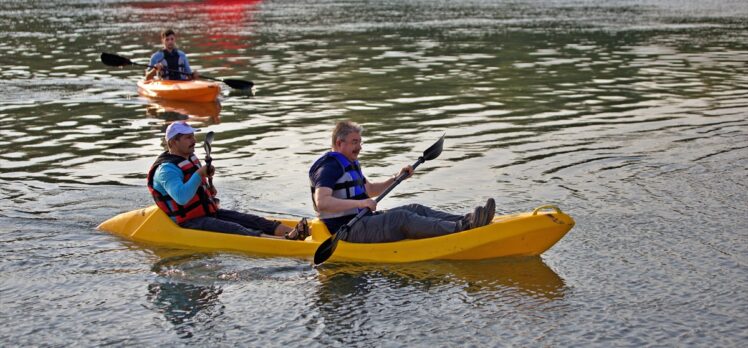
{"x": 300, "y": 232}
{"x": 472, "y": 220}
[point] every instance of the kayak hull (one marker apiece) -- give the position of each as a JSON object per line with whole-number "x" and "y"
{"x": 525, "y": 234}
{"x": 190, "y": 91}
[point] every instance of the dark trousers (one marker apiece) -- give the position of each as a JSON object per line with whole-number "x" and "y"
{"x": 229, "y": 221}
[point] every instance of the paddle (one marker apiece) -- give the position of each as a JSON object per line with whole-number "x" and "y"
{"x": 325, "y": 250}
{"x": 115, "y": 60}
{"x": 208, "y": 159}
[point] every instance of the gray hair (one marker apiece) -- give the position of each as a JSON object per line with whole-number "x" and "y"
{"x": 343, "y": 128}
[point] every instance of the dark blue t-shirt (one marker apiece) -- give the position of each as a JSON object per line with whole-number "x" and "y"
{"x": 328, "y": 172}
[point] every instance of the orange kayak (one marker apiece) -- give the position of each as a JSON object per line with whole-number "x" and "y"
{"x": 192, "y": 91}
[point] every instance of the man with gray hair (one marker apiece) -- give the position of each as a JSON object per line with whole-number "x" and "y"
{"x": 340, "y": 190}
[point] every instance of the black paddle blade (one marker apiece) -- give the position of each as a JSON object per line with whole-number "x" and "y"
{"x": 114, "y": 60}
{"x": 239, "y": 84}
{"x": 207, "y": 146}
{"x": 435, "y": 150}
{"x": 209, "y": 140}
{"x": 324, "y": 251}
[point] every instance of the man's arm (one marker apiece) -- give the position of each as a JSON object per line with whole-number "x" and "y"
{"x": 150, "y": 73}
{"x": 170, "y": 177}
{"x": 376, "y": 188}
{"x": 194, "y": 75}
{"x": 327, "y": 203}
{"x": 155, "y": 62}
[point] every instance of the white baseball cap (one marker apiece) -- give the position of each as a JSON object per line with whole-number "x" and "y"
{"x": 179, "y": 127}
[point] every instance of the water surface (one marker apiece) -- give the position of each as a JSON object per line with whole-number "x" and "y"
{"x": 629, "y": 115}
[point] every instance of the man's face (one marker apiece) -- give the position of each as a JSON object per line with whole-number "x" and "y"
{"x": 350, "y": 146}
{"x": 182, "y": 145}
{"x": 169, "y": 42}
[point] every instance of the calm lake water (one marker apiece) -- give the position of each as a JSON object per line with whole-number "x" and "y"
{"x": 632, "y": 116}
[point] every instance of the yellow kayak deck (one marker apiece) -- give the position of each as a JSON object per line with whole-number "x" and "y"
{"x": 524, "y": 234}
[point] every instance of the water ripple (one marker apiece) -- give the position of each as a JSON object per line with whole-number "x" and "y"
{"x": 630, "y": 115}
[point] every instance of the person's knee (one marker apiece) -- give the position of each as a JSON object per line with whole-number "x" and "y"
{"x": 419, "y": 209}
{"x": 398, "y": 218}
{"x": 415, "y": 207}
{"x": 401, "y": 214}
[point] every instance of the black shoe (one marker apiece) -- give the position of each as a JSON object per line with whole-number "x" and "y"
{"x": 464, "y": 224}
{"x": 468, "y": 221}
{"x": 479, "y": 217}
{"x": 490, "y": 210}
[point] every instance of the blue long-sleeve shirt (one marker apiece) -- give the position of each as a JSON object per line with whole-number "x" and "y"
{"x": 168, "y": 180}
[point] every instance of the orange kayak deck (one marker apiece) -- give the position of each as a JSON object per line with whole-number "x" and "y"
{"x": 191, "y": 91}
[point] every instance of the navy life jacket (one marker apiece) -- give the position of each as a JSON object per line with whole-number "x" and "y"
{"x": 173, "y": 62}
{"x": 348, "y": 186}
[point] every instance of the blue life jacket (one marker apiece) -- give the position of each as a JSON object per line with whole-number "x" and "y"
{"x": 349, "y": 186}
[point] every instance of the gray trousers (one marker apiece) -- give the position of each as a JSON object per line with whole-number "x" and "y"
{"x": 413, "y": 221}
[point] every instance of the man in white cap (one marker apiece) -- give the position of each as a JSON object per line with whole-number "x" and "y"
{"x": 178, "y": 183}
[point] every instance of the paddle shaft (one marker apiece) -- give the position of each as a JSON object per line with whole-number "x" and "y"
{"x": 170, "y": 70}
{"x": 208, "y": 160}
{"x": 208, "y": 146}
{"x": 115, "y": 60}
{"x": 230, "y": 83}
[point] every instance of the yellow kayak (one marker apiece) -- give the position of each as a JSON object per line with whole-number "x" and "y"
{"x": 190, "y": 91}
{"x": 524, "y": 234}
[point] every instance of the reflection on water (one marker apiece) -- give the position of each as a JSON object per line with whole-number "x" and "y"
{"x": 355, "y": 300}
{"x": 529, "y": 276}
{"x": 186, "y": 302}
{"x": 205, "y": 112}
{"x": 344, "y": 302}
{"x": 197, "y": 114}
{"x": 181, "y": 303}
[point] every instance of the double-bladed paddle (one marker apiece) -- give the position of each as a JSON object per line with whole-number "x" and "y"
{"x": 208, "y": 159}
{"x": 325, "y": 250}
{"x": 115, "y": 60}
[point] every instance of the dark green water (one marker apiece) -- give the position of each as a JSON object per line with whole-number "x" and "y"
{"x": 629, "y": 115}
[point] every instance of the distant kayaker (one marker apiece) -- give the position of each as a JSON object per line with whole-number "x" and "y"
{"x": 178, "y": 183}
{"x": 340, "y": 190}
{"x": 170, "y": 63}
